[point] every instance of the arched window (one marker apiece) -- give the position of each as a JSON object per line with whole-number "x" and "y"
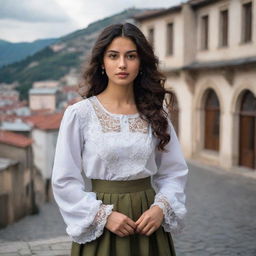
{"x": 212, "y": 121}
{"x": 247, "y": 127}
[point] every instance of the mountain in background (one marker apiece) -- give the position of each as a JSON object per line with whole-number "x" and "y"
{"x": 13, "y": 52}
{"x": 64, "y": 56}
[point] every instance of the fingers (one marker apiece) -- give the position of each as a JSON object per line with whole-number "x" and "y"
{"x": 131, "y": 223}
{"x": 125, "y": 231}
{"x": 129, "y": 229}
{"x": 142, "y": 224}
{"x": 139, "y": 220}
{"x": 119, "y": 233}
{"x": 146, "y": 224}
{"x": 148, "y": 229}
{"x": 148, "y": 233}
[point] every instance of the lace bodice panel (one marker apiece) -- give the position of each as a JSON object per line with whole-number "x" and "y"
{"x": 123, "y": 142}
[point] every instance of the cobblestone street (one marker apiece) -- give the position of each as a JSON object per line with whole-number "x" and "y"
{"x": 220, "y": 221}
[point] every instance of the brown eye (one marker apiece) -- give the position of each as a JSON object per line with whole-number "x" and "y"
{"x": 112, "y": 55}
{"x": 132, "y": 56}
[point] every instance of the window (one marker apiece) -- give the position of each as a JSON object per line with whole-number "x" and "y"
{"x": 204, "y": 33}
{"x": 247, "y": 23}
{"x": 151, "y": 36}
{"x": 224, "y": 28}
{"x": 247, "y": 130}
{"x": 212, "y": 121}
{"x": 169, "y": 41}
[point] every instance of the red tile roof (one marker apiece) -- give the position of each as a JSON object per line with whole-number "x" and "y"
{"x": 40, "y": 111}
{"x": 45, "y": 121}
{"x": 14, "y": 105}
{"x": 15, "y": 139}
{"x": 7, "y": 117}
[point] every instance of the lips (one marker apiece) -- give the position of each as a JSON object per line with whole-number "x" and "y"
{"x": 123, "y": 74}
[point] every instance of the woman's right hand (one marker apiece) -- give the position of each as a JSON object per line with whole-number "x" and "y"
{"x": 120, "y": 224}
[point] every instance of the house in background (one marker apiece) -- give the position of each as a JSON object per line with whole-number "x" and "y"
{"x": 16, "y": 178}
{"x": 43, "y": 98}
{"x": 44, "y": 135}
{"x": 207, "y": 50}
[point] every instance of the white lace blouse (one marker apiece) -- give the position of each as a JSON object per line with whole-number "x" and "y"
{"x": 94, "y": 143}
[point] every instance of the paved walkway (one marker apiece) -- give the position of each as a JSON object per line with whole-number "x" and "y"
{"x": 221, "y": 220}
{"x": 45, "y": 247}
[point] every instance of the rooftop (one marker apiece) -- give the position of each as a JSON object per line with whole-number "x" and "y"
{"x": 45, "y": 121}
{"x": 43, "y": 90}
{"x": 156, "y": 12}
{"x": 6, "y": 162}
{"x": 15, "y": 139}
{"x": 17, "y": 125}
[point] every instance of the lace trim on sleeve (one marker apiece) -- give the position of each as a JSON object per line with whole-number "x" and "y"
{"x": 173, "y": 221}
{"x": 97, "y": 227}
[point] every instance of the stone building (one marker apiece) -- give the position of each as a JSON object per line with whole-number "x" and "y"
{"x": 16, "y": 178}
{"x": 207, "y": 50}
{"x": 43, "y": 98}
{"x": 44, "y": 135}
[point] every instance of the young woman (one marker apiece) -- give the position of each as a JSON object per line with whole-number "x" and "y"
{"x": 119, "y": 173}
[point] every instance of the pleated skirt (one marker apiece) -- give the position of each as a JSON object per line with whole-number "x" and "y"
{"x": 132, "y": 198}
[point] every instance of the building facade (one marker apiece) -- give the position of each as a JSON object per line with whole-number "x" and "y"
{"x": 17, "y": 198}
{"x": 207, "y": 50}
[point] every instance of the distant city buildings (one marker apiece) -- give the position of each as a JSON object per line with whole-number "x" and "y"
{"x": 28, "y": 135}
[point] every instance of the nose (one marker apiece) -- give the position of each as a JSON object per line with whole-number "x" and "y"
{"x": 122, "y": 62}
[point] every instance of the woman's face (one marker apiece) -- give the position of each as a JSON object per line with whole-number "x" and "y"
{"x": 121, "y": 56}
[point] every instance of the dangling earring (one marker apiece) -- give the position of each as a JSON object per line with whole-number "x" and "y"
{"x": 102, "y": 71}
{"x": 141, "y": 72}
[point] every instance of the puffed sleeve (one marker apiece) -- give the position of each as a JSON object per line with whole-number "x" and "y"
{"x": 84, "y": 215}
{"x": 169, "y": 183}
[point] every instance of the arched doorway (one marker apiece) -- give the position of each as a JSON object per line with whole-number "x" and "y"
{"x": 247, "y": 134}
{"x": 174, "y": 114}
{"x": 212, "y": 121}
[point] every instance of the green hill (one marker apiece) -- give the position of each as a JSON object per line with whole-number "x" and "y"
{"x": 13, "y": 52}
{"x": 56, "y": 60}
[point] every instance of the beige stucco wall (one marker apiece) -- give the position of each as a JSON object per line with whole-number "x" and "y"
{"x": 43, "y": 150}
{"x": 190, "y": 86}
{"x": 235, "y": 49}
{"x": 23, "y": 155}
{"x": 15, "y": 203}
{"x": 228, "y": 95}
{"x": 42, "y": 102}
{"x": 184, "y": 97}
{"x": 160, "y": 26}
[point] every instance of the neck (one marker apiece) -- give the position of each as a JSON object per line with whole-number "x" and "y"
{"x": 118, "y": 94}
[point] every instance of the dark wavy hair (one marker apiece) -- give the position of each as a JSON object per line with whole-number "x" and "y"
{"x": 148, "y": 86}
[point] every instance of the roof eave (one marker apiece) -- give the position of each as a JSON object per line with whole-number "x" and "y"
{"x": 159, "y": 13}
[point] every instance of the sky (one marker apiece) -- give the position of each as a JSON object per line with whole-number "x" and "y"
{"x": 29, "y": 20}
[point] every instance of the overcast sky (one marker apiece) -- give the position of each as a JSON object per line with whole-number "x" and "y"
{"x": 28, "y": 20}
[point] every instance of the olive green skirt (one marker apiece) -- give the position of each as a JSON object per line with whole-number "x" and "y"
{"x": 132, "y": 198}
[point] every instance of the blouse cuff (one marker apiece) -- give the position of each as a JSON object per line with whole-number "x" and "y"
{"x": 173, "y": 216}
{"x": 83, "y": 235}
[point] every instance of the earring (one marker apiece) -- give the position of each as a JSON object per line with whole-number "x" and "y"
{"x": 141, "y": 72}
{"x": 102, "y": 71}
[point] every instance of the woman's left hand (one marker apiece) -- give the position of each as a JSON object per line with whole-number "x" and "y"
{"x": 150, "y": 221}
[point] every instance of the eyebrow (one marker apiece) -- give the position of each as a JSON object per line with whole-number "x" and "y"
{"x": 118, "y": 51}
